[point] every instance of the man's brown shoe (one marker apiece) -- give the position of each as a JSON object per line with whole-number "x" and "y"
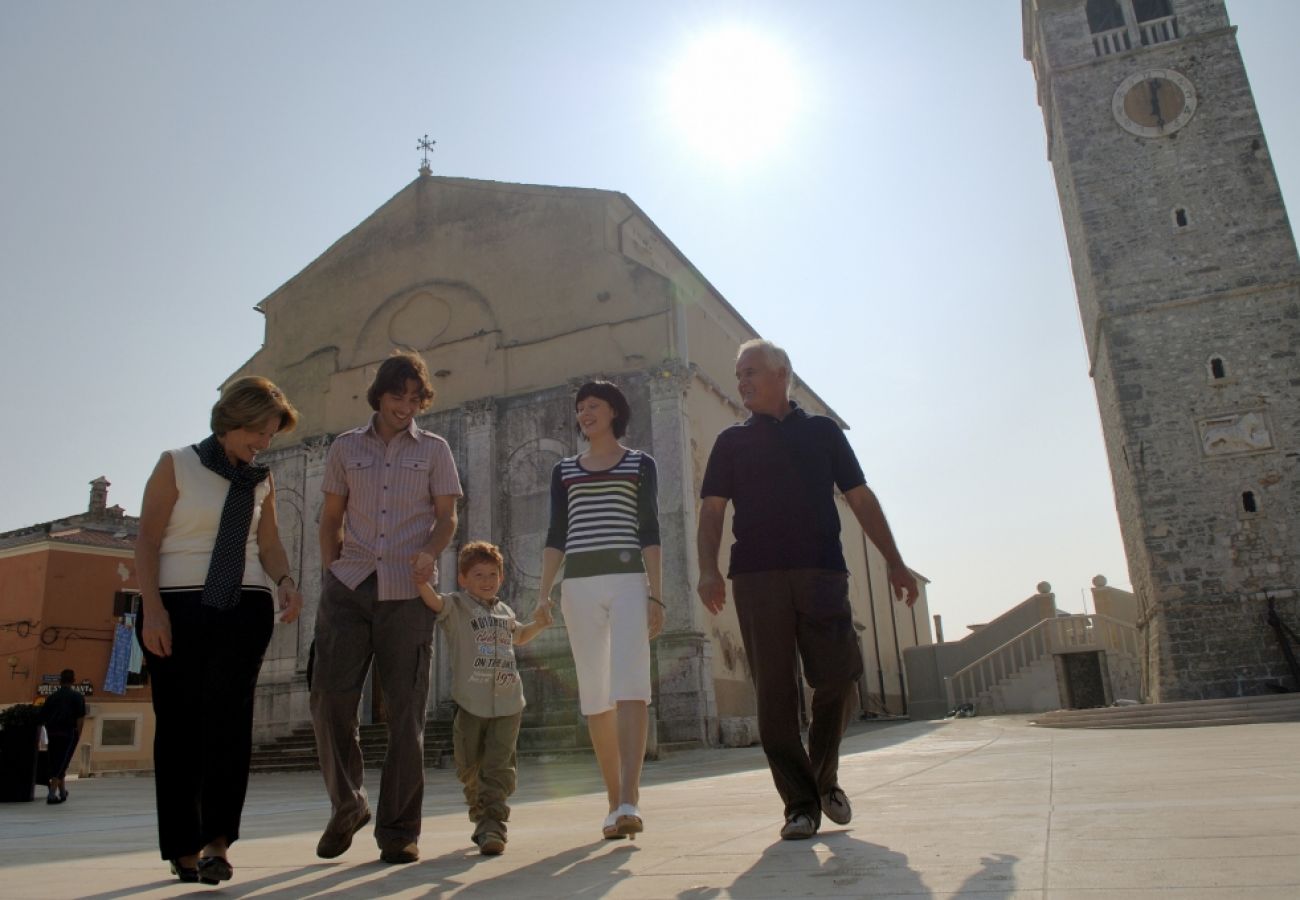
{"x": 336, "y": 843}
{"x": 400, "y": 853}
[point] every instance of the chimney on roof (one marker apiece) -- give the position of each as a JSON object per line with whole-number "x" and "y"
{"x": 98, "y": 496}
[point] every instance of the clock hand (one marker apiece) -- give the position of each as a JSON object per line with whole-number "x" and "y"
{"x": 1156, "y": 112}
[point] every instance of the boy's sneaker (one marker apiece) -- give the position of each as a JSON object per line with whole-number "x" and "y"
{"x": 835, "y": 806}
{"x": 491, "y": 844}
{"x": 798, "y": 827}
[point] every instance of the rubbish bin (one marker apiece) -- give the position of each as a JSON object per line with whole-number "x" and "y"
{"x": 19, "y": 736}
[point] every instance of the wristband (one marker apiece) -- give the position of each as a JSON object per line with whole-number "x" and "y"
{"x": 281, "y": 579}
{"x": 657, "y": 600}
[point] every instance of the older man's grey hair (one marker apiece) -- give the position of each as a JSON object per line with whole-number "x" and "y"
{"x": 774, "y": 356}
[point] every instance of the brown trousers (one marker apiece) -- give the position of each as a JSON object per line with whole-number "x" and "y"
{"x": 803, "y": 611}
{"x": 352, "y": 627}
{"x": 486, "y": 766}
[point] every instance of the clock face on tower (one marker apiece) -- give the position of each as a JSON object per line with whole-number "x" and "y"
{"x": 1154, "y": 103}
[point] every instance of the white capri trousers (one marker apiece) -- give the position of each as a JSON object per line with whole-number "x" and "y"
{"x": 610, "y": 638}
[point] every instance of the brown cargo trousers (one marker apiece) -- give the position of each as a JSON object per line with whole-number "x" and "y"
{"x": 485, "y": 750}
{"x": 352, "y": 627}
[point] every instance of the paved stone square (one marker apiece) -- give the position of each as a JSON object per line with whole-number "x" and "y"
{"x": 991, "y": 808}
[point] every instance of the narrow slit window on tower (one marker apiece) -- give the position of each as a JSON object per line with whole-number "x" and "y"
{"x": 1217, "y": 369}
{"x": 1248, "y": 502}
{"x": 1180, "y": 217}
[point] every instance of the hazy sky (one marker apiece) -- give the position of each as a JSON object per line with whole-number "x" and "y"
{"x": 885, "y": 210}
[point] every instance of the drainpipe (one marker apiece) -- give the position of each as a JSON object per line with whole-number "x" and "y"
{"x": 898, "y": 652}
{"x": 875, "y": 629}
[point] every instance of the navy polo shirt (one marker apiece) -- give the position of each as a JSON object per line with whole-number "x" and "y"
{"x": 780, "y": 476}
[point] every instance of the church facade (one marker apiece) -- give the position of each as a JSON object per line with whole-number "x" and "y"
{"x": 1188, "y": 285}
{"x": 514, "y": 295}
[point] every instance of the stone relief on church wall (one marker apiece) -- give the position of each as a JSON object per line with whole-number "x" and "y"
{"x": 421, "y": 317}
{"x": 1235, "y": 433}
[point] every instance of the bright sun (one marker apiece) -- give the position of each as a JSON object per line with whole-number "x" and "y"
{"x": 734, "y": 95}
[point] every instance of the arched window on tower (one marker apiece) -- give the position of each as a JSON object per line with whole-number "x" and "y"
{"x": 1155, "y": 21}
{"x": 1146, "y": 10}
{"x": 1104, "y": 15}
{"x": 1217, "y": 368}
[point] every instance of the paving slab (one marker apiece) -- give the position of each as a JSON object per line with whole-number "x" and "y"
{"x": 983, "y": 807}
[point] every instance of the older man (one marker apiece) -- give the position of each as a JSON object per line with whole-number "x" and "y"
{"x": 390, "y": 494}
{"x": 780, "y": 468}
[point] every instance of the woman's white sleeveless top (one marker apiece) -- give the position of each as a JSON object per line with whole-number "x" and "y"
{"x": 192, "y": 529}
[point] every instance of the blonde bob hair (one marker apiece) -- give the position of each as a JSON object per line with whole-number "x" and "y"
{"x": 251, "y": 400}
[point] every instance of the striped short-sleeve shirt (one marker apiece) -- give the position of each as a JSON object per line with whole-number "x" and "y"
{"x": 602, "y": 519}
{"x": 390, "y": 489}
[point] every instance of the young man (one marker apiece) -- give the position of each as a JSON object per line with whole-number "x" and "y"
{"x": 482, "y": 632}
{"x": 62, "y": 714}
{"x": 390, "y": 494}
{"x": 780, "y": 469}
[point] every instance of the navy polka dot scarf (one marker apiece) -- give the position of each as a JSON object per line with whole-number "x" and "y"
{"x": 226, "y": 570}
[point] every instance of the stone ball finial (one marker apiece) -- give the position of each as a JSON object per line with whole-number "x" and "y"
{"x": 1099, "y": 581}
{"x": 1044, "y": 587}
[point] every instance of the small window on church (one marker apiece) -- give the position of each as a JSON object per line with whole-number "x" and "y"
{"x": 1104, "y": 15}
{"x": 1146, "y": 10}
{"x": 1248, "y": 502}
{"x": 1217, "y": 369}
{"x": 1180, "y": 217}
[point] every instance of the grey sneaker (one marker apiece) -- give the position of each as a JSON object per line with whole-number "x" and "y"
{"x": 835, "y": 806}
{"x": 798, "y": 827}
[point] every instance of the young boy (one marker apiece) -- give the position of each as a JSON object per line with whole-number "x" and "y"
{"x": 482, "y": 632}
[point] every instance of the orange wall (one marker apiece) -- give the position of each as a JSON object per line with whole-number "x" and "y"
{"x": 68, "y": 593}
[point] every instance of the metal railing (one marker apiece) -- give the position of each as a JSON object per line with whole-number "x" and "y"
{"x": 1061, "y": 634}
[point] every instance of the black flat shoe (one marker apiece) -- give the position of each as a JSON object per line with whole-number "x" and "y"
{"x": 215, "y": 869}
{"x": 188, "y": 874}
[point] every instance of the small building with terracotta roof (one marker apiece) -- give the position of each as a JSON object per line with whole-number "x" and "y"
{"x": 65, "y": 587}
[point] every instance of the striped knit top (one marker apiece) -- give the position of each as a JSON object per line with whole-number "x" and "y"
{"x": 601, "y": 520}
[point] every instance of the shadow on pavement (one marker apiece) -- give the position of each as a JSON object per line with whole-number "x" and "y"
{"x": 850, "y": 868}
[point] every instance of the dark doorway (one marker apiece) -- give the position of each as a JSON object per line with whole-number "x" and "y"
{"x": 1083, "y": 683}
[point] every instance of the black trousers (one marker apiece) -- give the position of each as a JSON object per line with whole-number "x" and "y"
{"x": 803, "y": 611}
{"x": 203, "y": 704}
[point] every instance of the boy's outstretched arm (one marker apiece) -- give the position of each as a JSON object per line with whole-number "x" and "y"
{"x": 541, "y": 618}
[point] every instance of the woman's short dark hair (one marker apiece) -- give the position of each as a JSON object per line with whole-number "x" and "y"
{"x": 249, "y": 401}
{"x": 395, "y": 372}
{"x": 609, "y": 392}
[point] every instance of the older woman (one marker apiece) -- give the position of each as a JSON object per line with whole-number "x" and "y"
{"x": 605, "y": 530}
{"x": 206, "y": 556}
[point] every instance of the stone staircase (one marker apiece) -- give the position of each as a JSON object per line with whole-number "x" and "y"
{"x": 296, "y": 751}
{"x": 1186, "y": 714}
{"x": 550, "y": 736}
{"x": 1031, "y": 687}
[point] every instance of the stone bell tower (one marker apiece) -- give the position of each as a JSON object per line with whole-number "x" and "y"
{"x": 1189, "y": 292}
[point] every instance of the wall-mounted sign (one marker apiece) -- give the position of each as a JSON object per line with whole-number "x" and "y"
{"x": 85, "y": 689}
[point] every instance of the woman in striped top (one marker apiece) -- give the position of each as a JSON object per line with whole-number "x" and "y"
{"x": 605, "y": 530}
